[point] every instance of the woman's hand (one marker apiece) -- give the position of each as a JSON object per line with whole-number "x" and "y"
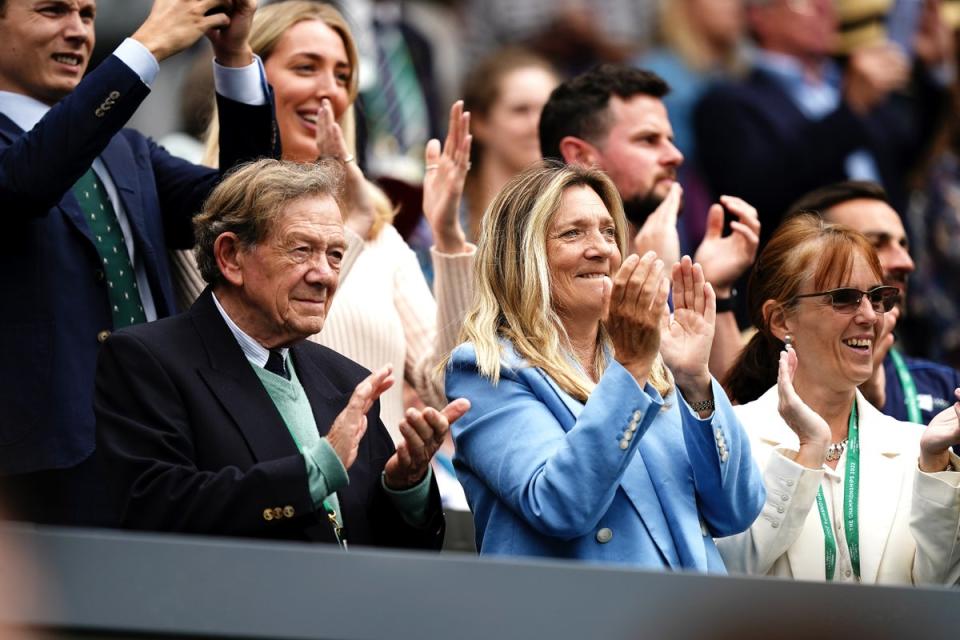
{"x": 944, "y": 431}
{"x": 638, "y": 298}
{"x": 812, "y": 431}
{"x": 358, "y": 213}
{"x": 685, "y": 339}
{"x": 443, "y": 182}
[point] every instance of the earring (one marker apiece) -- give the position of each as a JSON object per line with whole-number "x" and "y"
{"x": 788, "y": 340}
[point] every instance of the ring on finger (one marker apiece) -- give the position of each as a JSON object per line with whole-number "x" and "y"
{"x": 431, "y": 167}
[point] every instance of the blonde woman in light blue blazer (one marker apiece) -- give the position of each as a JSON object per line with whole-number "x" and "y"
{"x": 595, "y": 431}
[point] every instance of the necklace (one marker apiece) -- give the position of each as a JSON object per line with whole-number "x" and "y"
{"x": 835, "y": 450}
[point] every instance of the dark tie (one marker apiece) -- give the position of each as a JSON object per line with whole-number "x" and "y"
{"x": 125, "y": 303}
{"x": 276, "y": 365}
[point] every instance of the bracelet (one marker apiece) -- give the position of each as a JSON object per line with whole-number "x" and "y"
{"x": 728, "y": 303}
{"x": 703, "y": 405}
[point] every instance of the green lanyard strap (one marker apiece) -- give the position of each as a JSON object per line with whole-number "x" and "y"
{"x": 908, "y": 385}
{"x": 851, "y": 499}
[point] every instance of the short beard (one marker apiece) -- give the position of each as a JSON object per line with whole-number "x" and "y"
{"x": 639, "y": 208}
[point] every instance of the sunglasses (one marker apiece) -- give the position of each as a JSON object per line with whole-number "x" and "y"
{"x": 847, "y": 299}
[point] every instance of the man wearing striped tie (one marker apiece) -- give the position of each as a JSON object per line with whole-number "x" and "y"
{"x": 90, "y": 209}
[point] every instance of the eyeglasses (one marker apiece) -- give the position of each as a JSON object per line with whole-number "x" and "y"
{"x": 847, "y": 299}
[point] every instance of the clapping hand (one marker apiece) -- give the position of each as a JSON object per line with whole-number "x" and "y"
{"x": 634, "y": 305}
{"x": 726, "y": 258}
{"x": 943, "y": 431}
{"x": 659, "y": 231}
{"x": 423, "y": 433}
{"x": 812, "y": 431}
{"x": 443, "y": 181}
{"x": 359, "y": 213}
{"x": 350, "y": 425}
{"x": 685, "y": 338}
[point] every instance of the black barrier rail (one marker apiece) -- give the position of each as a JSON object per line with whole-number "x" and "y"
{"x": 114, "y": 584}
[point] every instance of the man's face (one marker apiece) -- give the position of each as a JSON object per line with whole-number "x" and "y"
{"x": 880, "y": 223}
{"x": 45, "y": 46}
{"x": 289, "y": 279}
{"x": 638, "y": 153}
{"x": 801, "y": 28}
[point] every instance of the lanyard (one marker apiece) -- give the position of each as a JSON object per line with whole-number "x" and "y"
{"x": 909, "y": 387}
{"x": 851, "y": 499}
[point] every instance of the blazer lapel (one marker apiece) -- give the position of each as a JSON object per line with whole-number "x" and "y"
{"x": 232, "y": 380}
{"x": 326, "y": 400}
{"x": 636, "y": 481}
{"x": 118, "y": 159}
{"x": 881, "y": 471}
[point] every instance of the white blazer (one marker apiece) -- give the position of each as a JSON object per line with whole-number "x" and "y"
{"x": 909, "y": 520}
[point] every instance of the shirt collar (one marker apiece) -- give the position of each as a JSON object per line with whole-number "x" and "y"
{"x": 255, "y": 352}
{"x": 25, "y": 111}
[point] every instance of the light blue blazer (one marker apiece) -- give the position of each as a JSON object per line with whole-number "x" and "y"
{"x": 626, "y": 478}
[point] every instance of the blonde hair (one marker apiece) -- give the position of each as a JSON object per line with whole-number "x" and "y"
{"x": 269, "y": 25}
{"x": 512, "y": 280}
{"x": 675, "y": 32}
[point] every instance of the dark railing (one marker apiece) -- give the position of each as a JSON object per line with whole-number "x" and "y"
{"x": 84, "y": 584}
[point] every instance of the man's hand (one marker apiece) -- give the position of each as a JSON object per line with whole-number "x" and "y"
{"x": 423, "y": 432}
{"x": 231, "y": 44}
{"x": 724, "y": 259}
{"x": 174, "y": 25}
{"x": 659, "y": 232}
{"x": 348, "y": 429}
{"x": 872, "y": 74}
{"x": 875, "y": 388}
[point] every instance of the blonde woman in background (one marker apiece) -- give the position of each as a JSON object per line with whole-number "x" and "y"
{"x": 384, "y": 312}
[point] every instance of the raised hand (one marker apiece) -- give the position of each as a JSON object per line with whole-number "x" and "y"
{"x": 423, "y": 433}
{"x": 724, "y": 259}
{"x": 443, "y": 181}
{"x": 872, "y": 74}
{"x": 174, "y": 25}
{"x": 942, "y": 432}
{"x": 875, "y": 388}
{"x": 359, "y": 214}
{"x": 636, "y": 302}
{"x": 350, "y": 425}
{"x": 812, "y": 431}
{"x": 685, "y": 339}
{"x": 659, "y": 232}
{"x": 231, "y": 44}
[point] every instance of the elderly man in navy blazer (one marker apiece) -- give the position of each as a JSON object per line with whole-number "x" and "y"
{"x": 90, "y": 210}
{"x": 225, "y": 420}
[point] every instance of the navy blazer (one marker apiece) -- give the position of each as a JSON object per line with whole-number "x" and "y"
{"x": 626, "y": 478}
{"x": 755, "y": 143}
{"x": 55, "y": 310}
{"x": 192, "y": 442}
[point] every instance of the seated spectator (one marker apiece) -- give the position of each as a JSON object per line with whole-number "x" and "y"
{"x": 846, "y": 499}
{"x": 225, "y": 420}
{"x": 910, "y": 389}
{"x": 596, "y": 431}
{"x": 384, "y": 312}
{"x": 799, "y": 121}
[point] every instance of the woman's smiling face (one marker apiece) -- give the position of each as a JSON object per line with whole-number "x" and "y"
{"x": 308, "y": 64}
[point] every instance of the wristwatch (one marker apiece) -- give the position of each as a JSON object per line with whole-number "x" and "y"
{"x": 727, "y": 304}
